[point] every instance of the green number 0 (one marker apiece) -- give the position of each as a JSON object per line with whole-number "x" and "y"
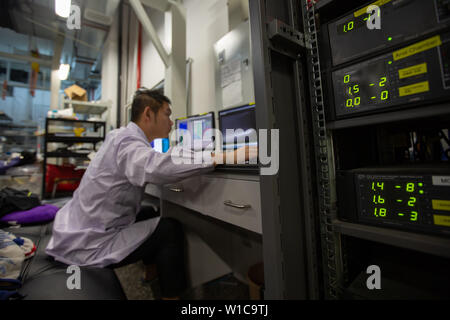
{"x": 350, "y": 25}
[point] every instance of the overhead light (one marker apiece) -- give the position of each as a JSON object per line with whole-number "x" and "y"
{"x": 63, "y": 71}
{"x": 62, "y": 8}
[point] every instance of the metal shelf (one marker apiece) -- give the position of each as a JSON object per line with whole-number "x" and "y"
{"x": 435, "y": 245}
{"x": 75, "y": 139}
{"x": 66, "y": 155}
{"x": 67, "y": 139}
{"x": 101, "y": 123}
{"x": 87, "y": 107}
{"x": 395, "y": 116}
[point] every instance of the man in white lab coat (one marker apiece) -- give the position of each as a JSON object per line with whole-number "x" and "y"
{"x": 98, "y": 226}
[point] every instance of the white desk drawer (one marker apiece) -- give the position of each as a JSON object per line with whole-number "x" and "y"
{"x": 234, "y": 201}
{"x": 187, "y": 193}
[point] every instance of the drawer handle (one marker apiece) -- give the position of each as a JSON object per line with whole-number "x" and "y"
{"x": 234, "y": 205}
{"x": 176, "y": 189}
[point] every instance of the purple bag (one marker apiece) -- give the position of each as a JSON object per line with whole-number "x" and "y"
{"x": 6, "y": 165}
{"x": 38, "y": 214}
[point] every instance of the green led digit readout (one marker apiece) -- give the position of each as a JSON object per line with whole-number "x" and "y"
{"x": 353, "y": 24}
{"x": 357, "y": 93}
{"x": 349, "y": 26}
{"x": 411, "y": 202}
{"x": 393, "y": 200}
{"x": 347, "y": 78}
{"x": 364, "y": 86}
{"x": 380, "y": 212}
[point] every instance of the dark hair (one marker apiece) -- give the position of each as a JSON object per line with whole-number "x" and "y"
{"x": 144, "y": 97}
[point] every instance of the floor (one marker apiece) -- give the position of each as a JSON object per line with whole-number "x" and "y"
{"x": 224, "y": 288}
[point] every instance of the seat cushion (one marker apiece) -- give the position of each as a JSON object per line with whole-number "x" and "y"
{"x": 46, "y": 279}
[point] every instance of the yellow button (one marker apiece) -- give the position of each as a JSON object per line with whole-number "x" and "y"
{"x": 441, "y": 205}
{"x": 412, "y": 71}
{"x": 442, "y": 220}
{"x": 414, "y": 89}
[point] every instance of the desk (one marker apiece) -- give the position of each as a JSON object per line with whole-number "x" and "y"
{"x": 221, "y": 214}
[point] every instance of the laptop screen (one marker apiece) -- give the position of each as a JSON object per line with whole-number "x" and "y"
{"x": 238, "y": 127}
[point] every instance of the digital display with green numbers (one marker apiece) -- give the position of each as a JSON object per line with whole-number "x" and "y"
{"x": 351, "y": 36}
{"x": 381, "y": 198}
{"x": 366, "y": 86}
{"x": 353, "y": 24}
{"x": 411, "y": 74}
{"x": 402, "y": 197}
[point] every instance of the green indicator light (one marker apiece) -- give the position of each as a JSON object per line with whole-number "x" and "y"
{"x": 420, "y": 184}
{"x": 401, "y": 214}
{"x": 399, "y": 200}
{"x": 390, "y": 39}
{"x": 398, "y": 187}
{"x": 421, "y": 191}
{"x": 372, "y": 84}
{"x": 390, "y": 62}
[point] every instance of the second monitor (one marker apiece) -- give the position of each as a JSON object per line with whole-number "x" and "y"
{"x": 238, "y": 127}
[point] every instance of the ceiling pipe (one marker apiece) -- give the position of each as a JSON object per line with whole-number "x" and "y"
{"x": 148, "y": 26}
{"x": 62, "y": 33}
{"x": 45, "y": 63}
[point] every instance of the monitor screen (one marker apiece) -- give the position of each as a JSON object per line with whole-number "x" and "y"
{"x": 196, "y": 132}
{"x": 238, "y": 127}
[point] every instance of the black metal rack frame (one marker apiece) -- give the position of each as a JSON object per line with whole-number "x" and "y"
{"x": 68, "y": 140}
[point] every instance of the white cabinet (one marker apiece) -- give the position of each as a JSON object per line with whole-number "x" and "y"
{"x": 231, "y": 198}
{"x": 234, "y": 201}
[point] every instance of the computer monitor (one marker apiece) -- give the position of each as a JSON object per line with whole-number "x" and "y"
{"x": 242, "y": 120}
{"x": 201, "y": 131}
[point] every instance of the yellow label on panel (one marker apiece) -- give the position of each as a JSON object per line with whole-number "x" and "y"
{"x": 442, "y": 220}
{"x": 414, "y": 89}
{"x": 417, "y": 48}
{"x": 412, "y": 71}
{"x": 376, "y": 3}
{"x": 441, "y": 205}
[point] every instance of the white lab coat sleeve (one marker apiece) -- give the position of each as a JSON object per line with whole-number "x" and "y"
{"x": 141, "y": 164}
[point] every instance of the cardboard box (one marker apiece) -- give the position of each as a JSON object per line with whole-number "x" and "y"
{"x": 75, "y": 92}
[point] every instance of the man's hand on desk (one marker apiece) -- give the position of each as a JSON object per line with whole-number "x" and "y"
{"x": 239, "y": 156}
